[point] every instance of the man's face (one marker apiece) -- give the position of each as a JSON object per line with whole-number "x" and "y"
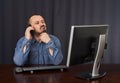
{"x": 38, "y": 23}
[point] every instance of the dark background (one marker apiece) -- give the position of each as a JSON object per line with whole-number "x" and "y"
{"x": 59, "y": 16}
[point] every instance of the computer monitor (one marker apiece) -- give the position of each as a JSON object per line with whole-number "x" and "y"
{"x": 87, "y": 43}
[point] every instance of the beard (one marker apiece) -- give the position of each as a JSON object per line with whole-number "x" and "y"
{"x": 42, "y": 30}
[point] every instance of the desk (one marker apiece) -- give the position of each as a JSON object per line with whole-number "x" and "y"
{"x": 7, "y": 75}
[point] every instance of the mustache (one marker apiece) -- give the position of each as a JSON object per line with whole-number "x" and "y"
{"x": 37, "y": 33}
{"x": 42, "y": 27}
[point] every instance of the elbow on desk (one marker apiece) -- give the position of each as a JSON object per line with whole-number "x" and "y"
{"x": 58, "y": 61}
{"x": 17, "y": 62}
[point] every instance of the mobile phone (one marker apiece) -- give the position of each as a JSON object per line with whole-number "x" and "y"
{"x": 32, "y": 32}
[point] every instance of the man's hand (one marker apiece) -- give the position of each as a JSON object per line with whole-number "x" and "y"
{"x": 44, "y": 37}
{"x": 27, "y": 32}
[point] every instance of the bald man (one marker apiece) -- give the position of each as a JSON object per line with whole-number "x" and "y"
{"x": 39, "y": 48}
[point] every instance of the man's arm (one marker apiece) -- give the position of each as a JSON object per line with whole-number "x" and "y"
{"x": 45, "y": 38}
{"x": 23, "y": 48}
{"x": 21, "y": 51}
{"x": 55, "y": 45}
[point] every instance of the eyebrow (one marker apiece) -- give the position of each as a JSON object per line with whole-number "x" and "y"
{"x": 42, "y": 20}
{"x": 36, "y": 21}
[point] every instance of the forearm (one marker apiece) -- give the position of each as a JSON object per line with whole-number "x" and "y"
{"x": 21, "y": 51}
{"x": 56, "y": 56}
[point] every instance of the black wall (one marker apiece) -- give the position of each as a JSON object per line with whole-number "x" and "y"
{"x": 59, "y": 15}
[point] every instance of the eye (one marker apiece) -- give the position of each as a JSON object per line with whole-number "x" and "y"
{"x": 42, "y": 21}
{"x": 37, "y": 22}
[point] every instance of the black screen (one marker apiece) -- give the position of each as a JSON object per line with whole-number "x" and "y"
{"x": 84, "y": 42}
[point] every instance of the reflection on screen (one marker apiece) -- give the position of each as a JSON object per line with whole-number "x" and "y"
{"x": 85, "y": 42}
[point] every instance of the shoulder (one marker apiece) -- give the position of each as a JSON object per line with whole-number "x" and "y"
{"x": 21, "y": 39}
{"x": 24, "y": 39}
{"x": 53, "y": 37}
{"x": 56, "y": 40}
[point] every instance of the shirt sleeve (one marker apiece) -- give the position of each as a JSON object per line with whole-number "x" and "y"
{"x": 20, "y": 57}
{"x": 55, "y": 45}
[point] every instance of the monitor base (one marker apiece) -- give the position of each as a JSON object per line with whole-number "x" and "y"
{"x": 88, "y": 76}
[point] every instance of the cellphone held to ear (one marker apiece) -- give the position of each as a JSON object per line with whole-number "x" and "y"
{"x": 32, "y": 32}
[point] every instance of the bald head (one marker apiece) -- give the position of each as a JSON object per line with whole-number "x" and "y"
{"x": 34, "y": 18}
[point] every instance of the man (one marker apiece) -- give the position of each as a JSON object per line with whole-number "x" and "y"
{"x": 39, "y": 48}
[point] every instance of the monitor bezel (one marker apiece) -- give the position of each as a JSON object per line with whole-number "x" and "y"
{"x": 71, "y": 38}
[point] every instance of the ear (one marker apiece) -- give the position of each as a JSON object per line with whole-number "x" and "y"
{"x": 29, "y": 24}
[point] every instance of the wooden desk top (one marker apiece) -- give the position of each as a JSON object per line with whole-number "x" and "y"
{"x": 7, "y": 74}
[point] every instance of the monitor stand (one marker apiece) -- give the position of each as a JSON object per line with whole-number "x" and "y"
{"x": 95, "y": 71}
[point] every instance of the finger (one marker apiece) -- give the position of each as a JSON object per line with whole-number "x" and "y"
{"x": 31, "y": 28}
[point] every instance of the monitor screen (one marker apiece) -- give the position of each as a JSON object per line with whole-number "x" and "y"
{"x": 83, "y": 42}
